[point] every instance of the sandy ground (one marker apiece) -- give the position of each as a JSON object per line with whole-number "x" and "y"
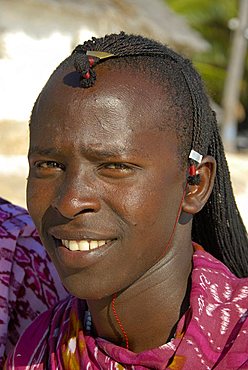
{"x": 14, "y": 167}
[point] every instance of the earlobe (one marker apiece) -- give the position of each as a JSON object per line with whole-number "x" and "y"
{"x": 197, "y": 195}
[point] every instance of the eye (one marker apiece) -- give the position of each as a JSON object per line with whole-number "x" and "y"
{"x": 46, "y": 168}
{"x": 117, "y": 166}
{"x": 48, "y": 165}
{"x": 116, "y": 169}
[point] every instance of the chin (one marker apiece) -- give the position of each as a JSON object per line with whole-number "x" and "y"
{"x": 89, "y": 291}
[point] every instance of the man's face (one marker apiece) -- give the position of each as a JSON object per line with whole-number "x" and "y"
{"x": 104, "y": 186}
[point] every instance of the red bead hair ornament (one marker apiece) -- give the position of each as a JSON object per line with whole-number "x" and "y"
{"x": 84, "y": 62}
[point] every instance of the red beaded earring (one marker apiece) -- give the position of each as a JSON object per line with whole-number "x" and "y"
{"x": 194, "y": 159}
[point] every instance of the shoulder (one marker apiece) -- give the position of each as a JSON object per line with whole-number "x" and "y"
{"x": 217, "y": 293}
{"x": 218, "y": 316}
{"x": 212, "y": 278}
{"x": 205, "y": 264}
{"x": 40, "y": 338}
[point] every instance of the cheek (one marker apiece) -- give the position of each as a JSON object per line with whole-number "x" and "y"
{"x": 149, "y": 204}
{"x": 38, "y": 200}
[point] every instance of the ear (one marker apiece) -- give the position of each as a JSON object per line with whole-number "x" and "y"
{"x": 197, "y": 195}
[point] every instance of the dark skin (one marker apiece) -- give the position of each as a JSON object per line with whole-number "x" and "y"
{"x": 100, "y": 169}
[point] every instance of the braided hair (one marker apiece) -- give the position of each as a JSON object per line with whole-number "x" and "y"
{"x": 218, "y": 227}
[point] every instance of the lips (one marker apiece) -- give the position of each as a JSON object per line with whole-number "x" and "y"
{"x": 83, "y": 245}
{"x": 77, "y": 250}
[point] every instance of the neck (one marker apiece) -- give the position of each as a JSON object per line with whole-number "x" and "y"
{"x": 150, "y": 308}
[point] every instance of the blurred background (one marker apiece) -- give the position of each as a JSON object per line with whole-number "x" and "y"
{"x": 35, "y": 35}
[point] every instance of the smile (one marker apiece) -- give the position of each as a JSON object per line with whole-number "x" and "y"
{"x": 83, "y": 245}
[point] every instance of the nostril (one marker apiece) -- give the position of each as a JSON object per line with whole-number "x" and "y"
{"x": 88, "y": 210}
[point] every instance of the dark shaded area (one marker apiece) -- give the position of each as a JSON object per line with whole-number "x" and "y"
{"x": 72, "y": 79}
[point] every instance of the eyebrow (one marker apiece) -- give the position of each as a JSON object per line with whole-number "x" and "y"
{"x": 42, "y": 151}
{"x": 105, "y": 153}
{"x": 91, "y": 152}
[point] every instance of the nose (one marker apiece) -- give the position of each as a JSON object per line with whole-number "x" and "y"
{"x": 75, "y": 197}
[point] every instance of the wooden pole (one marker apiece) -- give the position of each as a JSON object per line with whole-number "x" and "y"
{"x": 234, "y": 76}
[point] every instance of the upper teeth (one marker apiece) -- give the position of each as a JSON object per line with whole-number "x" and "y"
{"x": 83, "y": 245}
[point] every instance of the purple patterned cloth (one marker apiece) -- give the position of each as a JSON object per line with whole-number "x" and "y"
{"x": 29, "y": 283}
{"x": 213, "y": 334}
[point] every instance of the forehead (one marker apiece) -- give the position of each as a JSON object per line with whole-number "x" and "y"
{"x": 123, "y": 113}
{"x": 125, "y": 94}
